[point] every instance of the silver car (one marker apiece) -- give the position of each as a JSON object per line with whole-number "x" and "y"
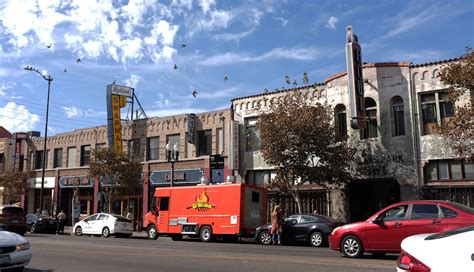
{"x": 15, "y": 250}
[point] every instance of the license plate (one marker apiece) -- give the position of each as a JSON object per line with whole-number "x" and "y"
{"x": 15, "y": 221}
{"x": 4, "y": 259}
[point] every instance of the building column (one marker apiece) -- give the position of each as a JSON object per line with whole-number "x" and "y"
{"x": 55, "y": 196}
{"x": 96, "y": 194}
{"x": 145, "y": 193}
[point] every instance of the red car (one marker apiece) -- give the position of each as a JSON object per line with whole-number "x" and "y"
{"x": 384, "y": 231}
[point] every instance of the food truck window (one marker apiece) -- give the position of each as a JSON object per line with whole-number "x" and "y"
{"x": 256, "y": 197}
{"x": 164, "y": 203}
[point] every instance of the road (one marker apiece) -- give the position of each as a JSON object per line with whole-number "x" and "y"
{"x": 87, "y": 253}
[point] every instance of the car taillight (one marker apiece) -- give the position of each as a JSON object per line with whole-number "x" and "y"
{"x": 409, "y": 263}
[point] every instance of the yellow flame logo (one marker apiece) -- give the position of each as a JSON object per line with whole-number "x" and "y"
{"x": 202, "y": 203}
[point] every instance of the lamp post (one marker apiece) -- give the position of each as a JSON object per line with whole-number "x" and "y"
{"x": 172, "y": 155}
{"x": 49, "y": 79}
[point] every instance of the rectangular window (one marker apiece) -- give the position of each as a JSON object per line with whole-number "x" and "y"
{"x": 256, "y": 197}
{"x": 164, "y": 203}
{"x": 220, "y": 141}
{"x": 443, "y": 171}
{"x": 370, "y": 130}
{"x": 58, "y": 158}
{"x": 71, "y": 157}
{"x": 39, "y": 159}
{"x": 430, "y": 171}
{"x": 469, "y": 170}
{"x": 429, "y": 115}
{"x": 85, "y": 155}
{"x": 153, "y": 148}
{"x": 446, "y": 108}
{"x": 134, "y": 148}
{"x": 399, "y": 121}
{"x": 341, "y": 123}
{"x": 204, "y": 142}
{"x": 252, "y": 134}
{"x": 456, "y": 169}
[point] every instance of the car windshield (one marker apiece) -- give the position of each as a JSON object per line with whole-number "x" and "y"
{"x": 462, "y": 207}
{"x": 11, "y": 210}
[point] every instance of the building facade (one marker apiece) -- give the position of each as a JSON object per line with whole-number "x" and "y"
{"x": 68, "y": 155}
{"x": 400, "y": 155}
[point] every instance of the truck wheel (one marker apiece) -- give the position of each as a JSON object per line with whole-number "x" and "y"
{"x": 206, "y": 234}
{"x": 152, "y": 233}
{"x": 264, "y": 237}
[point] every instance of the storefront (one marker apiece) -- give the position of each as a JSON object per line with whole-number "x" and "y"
{"x": 33, "y": 195}
{"x": 76, "y": 197}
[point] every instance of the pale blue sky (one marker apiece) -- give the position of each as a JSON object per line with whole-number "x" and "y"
{"x": 254, "y": 43}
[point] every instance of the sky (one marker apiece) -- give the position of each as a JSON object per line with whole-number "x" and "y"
{"x": 166, "y": 50}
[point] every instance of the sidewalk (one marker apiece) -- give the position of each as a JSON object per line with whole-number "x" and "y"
{"x": 141, "y": 234}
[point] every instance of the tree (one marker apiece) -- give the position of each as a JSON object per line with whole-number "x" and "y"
{"x": 458, "y": 131}
{"x": 14, "y": 184}
{"x": 118, "y": 171}
{"x": 298, "y": 138}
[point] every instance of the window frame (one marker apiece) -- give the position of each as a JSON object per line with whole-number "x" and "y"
{"x": 398, "y": 122}
{"x": 85, "y": 155}
{"x": 252, "y": 143}
{"x": 207, "y": 135}
{"x": 58, "y": 163}
{"x": 371, "y": 122}
{"x": 154, "y": 150}
{"x": 450, "y": 163}
{"x": 340, "y": 114}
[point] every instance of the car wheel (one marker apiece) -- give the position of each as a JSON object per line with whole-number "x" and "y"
{"x": 264, "y": 237}
{"x": 33, "y": 228}
{"x": 78, "y": 231}
{"x": 152, "y": 233}
{"x": 106, "y": 232}
{"x": 206, "y": 234}
{"x": 316, "y": 239}
{"x": 352, "y": 247}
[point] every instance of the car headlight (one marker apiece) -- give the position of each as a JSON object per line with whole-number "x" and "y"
{"x": 334, "y": 230}
{"x": 23, "y": 246}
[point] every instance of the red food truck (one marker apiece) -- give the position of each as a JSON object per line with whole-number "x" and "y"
{"x": 206, "y": 211}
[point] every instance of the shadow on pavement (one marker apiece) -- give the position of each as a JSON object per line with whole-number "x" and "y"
{"x": 37, "y": 270}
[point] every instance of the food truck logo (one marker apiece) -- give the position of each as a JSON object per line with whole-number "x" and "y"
{"x": 202, "y": 203}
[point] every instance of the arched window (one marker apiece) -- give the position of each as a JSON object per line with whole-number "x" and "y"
{"x": 398, "y": 118}
{"x": 340, "y": 121}
{"x": 370, "y": 130}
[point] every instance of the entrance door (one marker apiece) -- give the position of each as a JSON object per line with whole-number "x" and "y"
{"x": 367, "y": 197}
{"x": 163, "y": 211}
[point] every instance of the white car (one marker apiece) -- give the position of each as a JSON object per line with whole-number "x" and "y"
{"x": 451, "y": 250}
{"x": 15, "y": 251}
{"x": 104, "y": 224}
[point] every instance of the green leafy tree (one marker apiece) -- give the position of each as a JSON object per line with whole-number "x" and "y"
{"x": 14, "y": 184}
{"x": 297, "y": 137}
{"x": 120, "y": 173}
{"x": 458, "y": 131}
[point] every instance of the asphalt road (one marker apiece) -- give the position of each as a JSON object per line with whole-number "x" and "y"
{"x": 86, "y": 253}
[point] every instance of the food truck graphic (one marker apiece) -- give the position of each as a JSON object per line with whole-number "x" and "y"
{"x": 225, "y": 210}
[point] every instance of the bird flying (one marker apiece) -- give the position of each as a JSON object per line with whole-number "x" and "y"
{"x": 49, "y": 46}
{"x": 78, "y": 60}
{"x": 183, "y": 45}
{"x": 175, "y": 67}
{"x": 194, "y": 93}
{"x": 65, "y": 70}
{"x": 226, "y": 78}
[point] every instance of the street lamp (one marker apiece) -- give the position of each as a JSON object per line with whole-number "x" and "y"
{"x": 172, "y": 155}
{"x": 49, "y": 79}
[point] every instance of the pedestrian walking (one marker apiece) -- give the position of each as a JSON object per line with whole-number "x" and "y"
{"x": 276, "y": 225}
{"x": 61, "y": 222}
{"x": 130, "y": 217}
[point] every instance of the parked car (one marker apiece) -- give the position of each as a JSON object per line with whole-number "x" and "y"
{"x": 14, "y": 218}
{"x": 104, "y": 224}
{"x": 41, "y": 223}
{"x": 15, "y": 250}
{"x": 309, "y": 228}
{"x": 451, "y": 250}
{"x": 384, "y": 231}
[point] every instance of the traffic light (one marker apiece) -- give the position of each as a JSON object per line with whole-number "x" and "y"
{"x": 355, "y": 80}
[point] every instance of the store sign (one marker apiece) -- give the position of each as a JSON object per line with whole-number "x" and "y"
{"x": 117, "y": 126}
{"x": 36, "y": 182}
{"x": 76, "y": 182}
{"x": 180, "y": 176}
{"x": 122, "y": 90}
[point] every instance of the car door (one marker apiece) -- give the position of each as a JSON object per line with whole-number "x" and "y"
{"x": 387, "y": 232}
{"x": 100, "y": 223}
{"x": 303, "y": 226}
{"x": 424, "y": 218}
{"x": 88, "y": 224}
{"x": 289, "y": 228}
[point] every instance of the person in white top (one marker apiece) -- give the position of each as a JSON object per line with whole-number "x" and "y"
{"x": 61, "y": 222}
